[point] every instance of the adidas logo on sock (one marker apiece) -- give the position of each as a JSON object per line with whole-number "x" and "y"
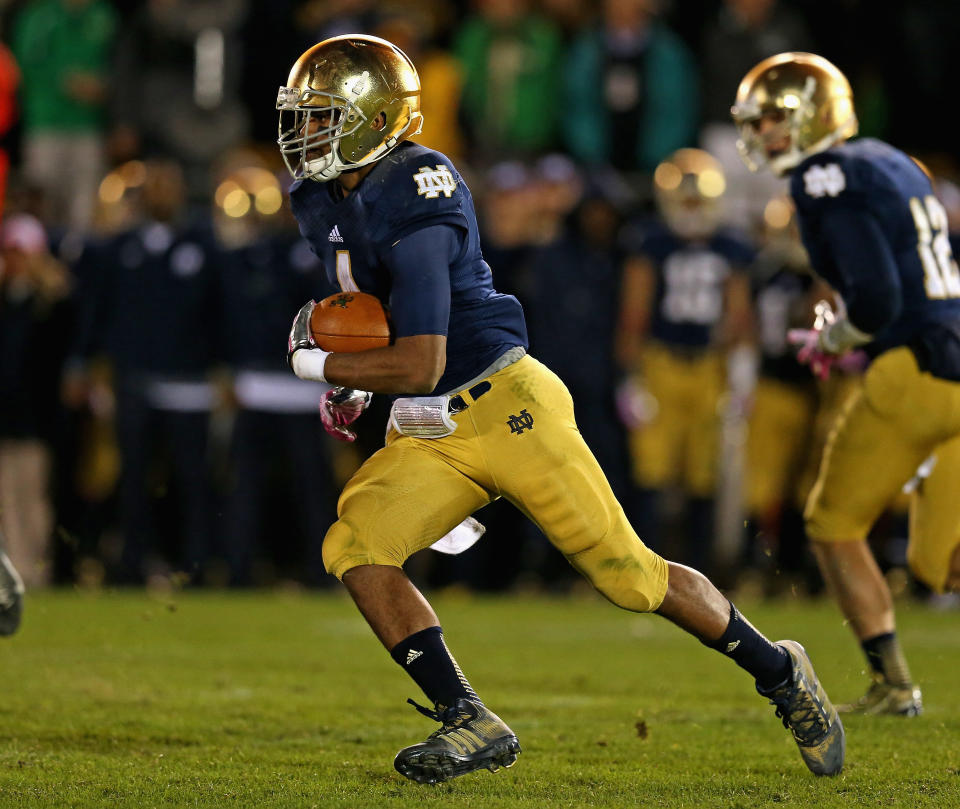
{"x": 335, "y": 235}
{"x": 732, "y": 646}
{"x": 412, "y": 655}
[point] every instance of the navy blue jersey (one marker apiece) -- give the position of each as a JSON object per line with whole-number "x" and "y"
{"x": 782, "y": 302}
{"x": 878, "y": 235}
{"x": 691, "y": 283}
{"x": 411, "y": 189}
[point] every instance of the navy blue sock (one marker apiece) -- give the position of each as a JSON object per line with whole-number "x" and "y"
{"x": 873, "y": 649}
{"x": 886, "y": 658}
{"x": 425, "y": 657}
{"x": 769, "y": 664}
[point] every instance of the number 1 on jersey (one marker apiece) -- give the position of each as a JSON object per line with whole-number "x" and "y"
{"x": 940, "y": 272}
{"x": 345, "y": 273}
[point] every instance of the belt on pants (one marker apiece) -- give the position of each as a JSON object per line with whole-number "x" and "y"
{"x": 458, "y": 403}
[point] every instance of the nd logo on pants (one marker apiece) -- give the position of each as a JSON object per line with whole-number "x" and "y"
{"x": 519, "y": 440}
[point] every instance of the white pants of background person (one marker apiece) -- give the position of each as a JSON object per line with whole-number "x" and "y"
{"x": 68, "y": 167}
{"x": 26, "y": 515}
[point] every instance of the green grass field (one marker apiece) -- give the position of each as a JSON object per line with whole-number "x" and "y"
{"x": 286, "y": 700}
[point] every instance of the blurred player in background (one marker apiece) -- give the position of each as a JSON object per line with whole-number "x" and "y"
{"x": 34, "y": 300}
{"x": 11, "y": 586}
{"x": 784, "y": 402}
{"x": 474, "y": 417}
{"x": 164, "y": 265}
{"x": 266, "y": 272}
{"x": 685, "y": 301}
{"x": 877, "y": 233}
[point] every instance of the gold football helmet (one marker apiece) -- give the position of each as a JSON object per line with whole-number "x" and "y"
{"x": 348, "y": 101}
{"x": 688, "y": 187}
{"x": 789, "y": 107}
{"x": 245, "y": 203}
{"x": 138, "y": 189}
{"x": 118, "y": 201}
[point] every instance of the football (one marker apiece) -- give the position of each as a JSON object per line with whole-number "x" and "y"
{"x": 350, "y": 321}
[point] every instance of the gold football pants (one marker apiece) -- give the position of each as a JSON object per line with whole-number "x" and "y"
{"x": 680, "y": 444}
{"x": 519, "y": 440}
{"x": 898, "y": 418}
{"x": 781, "y": 428}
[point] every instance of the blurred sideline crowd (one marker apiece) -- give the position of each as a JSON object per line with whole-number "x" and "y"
{"x": 150, "y": 432}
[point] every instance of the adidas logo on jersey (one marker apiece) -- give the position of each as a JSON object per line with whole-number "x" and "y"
{"x": 335, "y": 235}
{"x": 412, "y": 655}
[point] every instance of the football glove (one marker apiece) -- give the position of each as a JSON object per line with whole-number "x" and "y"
{"x": 827, "y": 342}
{"x": 339, "y": 408}
{"x": 636, "y": 406}
{"x": 300, "y": 332}
{"x": 810, "y": 353}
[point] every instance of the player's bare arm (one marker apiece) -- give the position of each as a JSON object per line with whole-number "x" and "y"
{"x": 411, "y": 365}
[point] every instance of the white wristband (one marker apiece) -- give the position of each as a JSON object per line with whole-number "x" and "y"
{"x": 308, "y": 363}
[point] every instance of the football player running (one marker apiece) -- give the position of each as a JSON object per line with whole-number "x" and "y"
{"x": 876, "y": 232}
{"x": 474, "y": 417}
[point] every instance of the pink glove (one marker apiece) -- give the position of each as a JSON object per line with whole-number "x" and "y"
{"x": 635, "y": 406}
{"x": 810, "y": 352}
{"x": 853, "y": 362}
{"x": 339, "y": 408}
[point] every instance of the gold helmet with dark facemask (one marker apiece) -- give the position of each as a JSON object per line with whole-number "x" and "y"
{"x": 807, "y": 98}
{"x": 348, "y": 101}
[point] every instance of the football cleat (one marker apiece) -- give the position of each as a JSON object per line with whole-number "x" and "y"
{"x": 808, "y": 714}
{"x": 470, "y": 738}
{"x": 884, "y": 697}
{"x": 11, "y": 596}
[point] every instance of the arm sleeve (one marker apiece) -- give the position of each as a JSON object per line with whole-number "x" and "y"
{"x": 419, "y": 264}
{"x": 862, "y": 256}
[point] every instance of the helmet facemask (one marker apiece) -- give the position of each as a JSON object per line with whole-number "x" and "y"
{"x": 788, "y": 124}
{"x": 315, "y": 122}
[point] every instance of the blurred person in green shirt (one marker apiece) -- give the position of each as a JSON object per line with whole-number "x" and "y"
{"x": 510, "y": 57}
{"x": 64, "y": 50}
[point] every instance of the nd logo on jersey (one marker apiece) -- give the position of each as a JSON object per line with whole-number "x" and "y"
{"x": 431, "y": 183}
{"x": 824, "y": 180}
